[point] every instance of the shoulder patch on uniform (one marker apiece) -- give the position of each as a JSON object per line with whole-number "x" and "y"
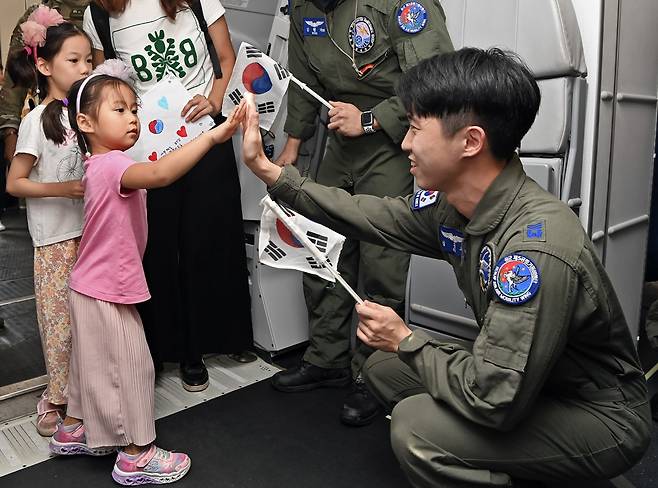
{"x": 484, "y": 268}
{"x": 451, "y": 240}
{"x": 362, "y": 34}
{"x": 314, "y": 27}
{"x": 412, "y": 17}
{"x": 424, "y": 198}
{"x": 535, "y": 231}
{"x": 515, "y": 279}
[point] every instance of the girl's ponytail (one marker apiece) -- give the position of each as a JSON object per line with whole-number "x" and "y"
{"x": 52, "y": 121}
{"x": 21, "y": 69}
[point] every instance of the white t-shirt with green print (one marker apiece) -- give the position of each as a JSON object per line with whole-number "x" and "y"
{"x": 154, "y": 45}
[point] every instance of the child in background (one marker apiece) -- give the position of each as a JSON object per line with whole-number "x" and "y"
{"x": 46, "y": 170}
{"x": 111, "y": 385}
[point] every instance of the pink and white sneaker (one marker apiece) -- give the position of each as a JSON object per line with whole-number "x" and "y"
{"x": 67, "y": 443}
{"x": 154, "y": 465}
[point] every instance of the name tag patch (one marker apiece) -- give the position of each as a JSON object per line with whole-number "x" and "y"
{"x": 515, "y": 279}
{"x": 451, "y": 240}
{"x": 314, "y": 27}
{"x": 424, "y": 198}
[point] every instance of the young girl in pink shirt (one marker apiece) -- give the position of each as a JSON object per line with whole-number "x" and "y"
{"x": 111, "y": 383}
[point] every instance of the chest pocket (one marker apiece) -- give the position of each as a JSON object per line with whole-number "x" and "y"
{"x": 376, "y": 12}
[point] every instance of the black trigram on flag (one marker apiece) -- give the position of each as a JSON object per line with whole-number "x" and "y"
{"x": 266, "y": 108}
{"x": 235, "y": 96}
{"x": 320, "y": 241}
{"x": 252, "y": 52}
{"x": 274, "y": 251}
{"x": 281, "y": 72}
{"x": 314, "y": 264}
{"x": 287, "y": 211}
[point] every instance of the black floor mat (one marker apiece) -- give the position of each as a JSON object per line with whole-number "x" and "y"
{"x": 252, "y": 438}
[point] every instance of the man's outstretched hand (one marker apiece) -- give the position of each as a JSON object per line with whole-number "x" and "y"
{"x": 252, "y": 146}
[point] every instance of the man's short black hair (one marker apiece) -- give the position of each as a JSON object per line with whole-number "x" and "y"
{"x": 493, "y": 89}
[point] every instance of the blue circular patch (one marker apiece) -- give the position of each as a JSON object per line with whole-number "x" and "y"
{"x": 412, "y": 17}
{"x": 484, "y": 271}
{"x": 362, "y": 35}
{"x": 515, "y": 279}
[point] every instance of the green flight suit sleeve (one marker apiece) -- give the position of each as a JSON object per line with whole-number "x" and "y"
{"x": 12, "y": 97}
{"x": 389, "y": 222}
{"x": 496, "y": 384}
{"x": 302, "y": 108}
{"x": 410, "y": 50}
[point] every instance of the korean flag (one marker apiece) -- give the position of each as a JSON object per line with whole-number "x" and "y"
{"x": 259, "y": 74}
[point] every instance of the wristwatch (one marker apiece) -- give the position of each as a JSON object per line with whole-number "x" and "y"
{"x": 367, "y": 122}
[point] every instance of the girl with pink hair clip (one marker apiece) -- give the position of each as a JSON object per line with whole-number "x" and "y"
{"x": 46, "y": 170}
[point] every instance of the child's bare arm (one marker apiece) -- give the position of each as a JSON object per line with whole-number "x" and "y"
{"x": 20, "y": 185}
{"x": 175, "y": 164}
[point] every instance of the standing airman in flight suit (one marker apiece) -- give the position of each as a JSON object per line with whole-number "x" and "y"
{"x": 552, "y": 388}
{"x": 352, "y": 52}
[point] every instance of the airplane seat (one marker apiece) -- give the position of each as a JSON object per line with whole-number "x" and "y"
{"x": 545, "y": 34}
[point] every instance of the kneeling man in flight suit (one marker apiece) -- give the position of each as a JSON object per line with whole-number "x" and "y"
{"x": 552, "y": 388}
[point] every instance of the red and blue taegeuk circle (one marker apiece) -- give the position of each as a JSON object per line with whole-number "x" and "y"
{"x": 256, "y": 80}
{"x": 156, "y": 126}
{"x": 286, "y": 236}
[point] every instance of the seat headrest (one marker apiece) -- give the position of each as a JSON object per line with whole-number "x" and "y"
{"x": 543, "y": 32}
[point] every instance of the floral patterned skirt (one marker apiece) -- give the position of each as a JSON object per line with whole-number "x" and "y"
{"x": 52, "y": 268}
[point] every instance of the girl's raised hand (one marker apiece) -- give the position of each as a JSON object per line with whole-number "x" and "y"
{"x": 225, "y": 130}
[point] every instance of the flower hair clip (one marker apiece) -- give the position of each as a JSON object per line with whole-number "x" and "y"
{"x": 116, "y": 69}
{"x": 35, "y": 27}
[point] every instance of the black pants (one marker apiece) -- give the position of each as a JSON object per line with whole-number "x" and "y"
{"x": 195, "y": 264}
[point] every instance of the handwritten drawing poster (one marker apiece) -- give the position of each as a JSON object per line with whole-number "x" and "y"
{"x": 162, "y": 127}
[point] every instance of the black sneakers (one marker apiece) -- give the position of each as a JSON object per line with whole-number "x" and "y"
{"x": 307, "y": 376}
{"x": 360, "y": 407}
{"x": 194, "y": 376}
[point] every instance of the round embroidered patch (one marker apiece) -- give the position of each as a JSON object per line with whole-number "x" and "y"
{"x": 412, "y": 17}
{"x": 484, "y": 271}
{"x": 362, "y": 35}
{"x": 515, "y": 279}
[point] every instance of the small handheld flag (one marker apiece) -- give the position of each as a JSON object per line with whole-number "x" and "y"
{"x": 290, "y": 241}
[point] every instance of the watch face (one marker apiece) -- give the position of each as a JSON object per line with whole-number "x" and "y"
{"x": 366, "y": 118}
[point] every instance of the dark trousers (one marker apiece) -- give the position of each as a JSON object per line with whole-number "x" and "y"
{"x": 195, "y": 264}
{"x": 559, "y": 440}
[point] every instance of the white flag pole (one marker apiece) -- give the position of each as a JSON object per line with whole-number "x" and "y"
{"x": 305, "y": 87}
{"x": 310, "y": 246}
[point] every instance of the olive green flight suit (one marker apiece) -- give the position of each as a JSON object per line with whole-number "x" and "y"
{"x": 12, "y": 97}
{"x": 553, "y": 388}
{"x": 370, "y": 164}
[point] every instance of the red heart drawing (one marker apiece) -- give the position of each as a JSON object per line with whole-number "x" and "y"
{"x": 153, "y": 156}
{"x": 182, "y": 131}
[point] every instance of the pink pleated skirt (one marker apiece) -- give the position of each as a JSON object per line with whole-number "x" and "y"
{"x": 111, "y": 377}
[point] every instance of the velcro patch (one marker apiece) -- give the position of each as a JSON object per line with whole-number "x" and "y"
{"x": 314, "y": 27}
{"x": 535, "y": 231}
{"x": 515, "y": 279}
{"x": 424, "y": 198}
{"x": 412, "y": 17}
{"x": 451, "y": 240}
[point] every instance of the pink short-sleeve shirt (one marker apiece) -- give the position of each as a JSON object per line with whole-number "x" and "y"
{"x": 109, "y": 265}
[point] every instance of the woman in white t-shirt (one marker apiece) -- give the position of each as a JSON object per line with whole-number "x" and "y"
{"x": 195, "y": 259}
{"x": 46, "y": 171}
